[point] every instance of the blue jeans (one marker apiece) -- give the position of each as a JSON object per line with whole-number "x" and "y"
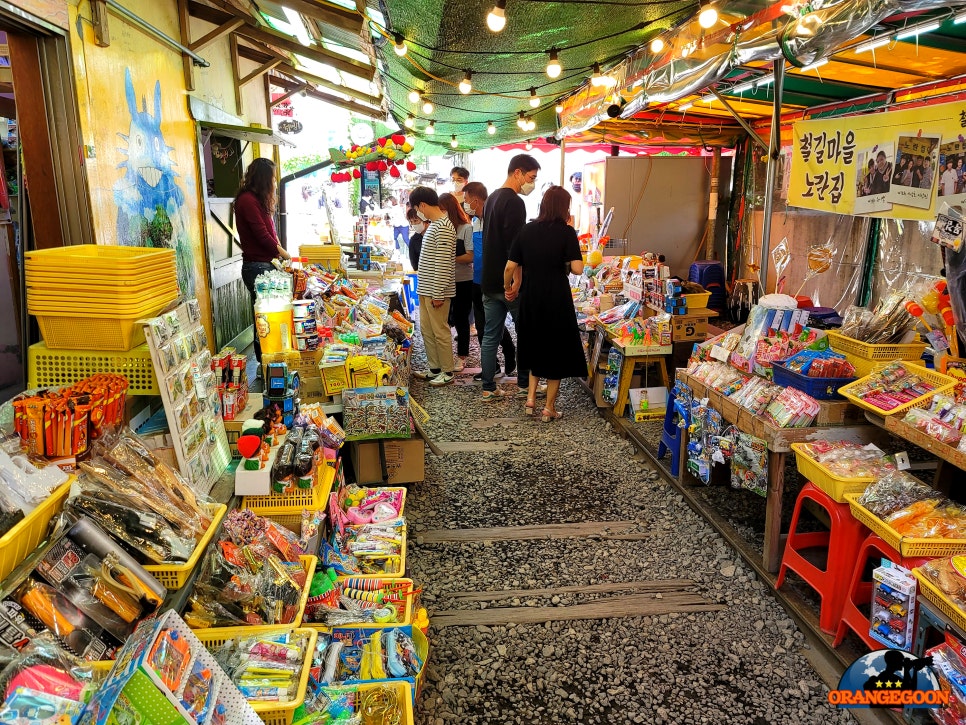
{"x": 495, "y": 308}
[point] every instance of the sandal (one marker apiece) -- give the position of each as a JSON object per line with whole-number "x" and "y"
{"x": 548, "y": 415}
{"x": 529, "y": 407}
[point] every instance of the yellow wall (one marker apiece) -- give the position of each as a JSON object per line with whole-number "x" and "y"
{"x": 118, "y": 88}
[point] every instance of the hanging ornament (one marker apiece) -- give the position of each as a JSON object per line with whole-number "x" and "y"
{"x": 398, "y": 139}
{"x": 410, "y": 166}
{"x": 381, "y": 165}
{"x": 394, "y": 172}
{"x": 356, "y": 174}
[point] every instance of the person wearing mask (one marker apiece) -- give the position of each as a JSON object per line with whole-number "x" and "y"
{"x": 547, "y": 251}
{"x": 504, "y": 215}
{"x": 254, "y": 208}
{"x": 459, "y": 176}
{"x": 474, "y": 199}
{"x": 437, "y": 285}
{"x": 463, "y": 301}
{"x": 416, "y": 229}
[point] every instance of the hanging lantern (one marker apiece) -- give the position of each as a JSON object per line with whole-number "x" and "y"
{"x": 381, "y": 165}
{"x": 398, "y": 139}
{"x": 394, "y": 172}
{"x": 410, "y": 166}
{"x": 356, "y": 174}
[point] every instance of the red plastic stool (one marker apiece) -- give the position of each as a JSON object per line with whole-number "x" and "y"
{"x": 860, "y": 590}
{"x": 842, "y": 542}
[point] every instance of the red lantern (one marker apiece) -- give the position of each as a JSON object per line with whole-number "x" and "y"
{"x": 399, "y": 162}
{"x": 394, "y": 172}
{"x": 371, "y": 166}
{"x": 381, "y": 141}
{"x": 398, "y": 139}
{"x": 356, "y": 174}
{"x": 382, "y": 165}
{"x": 410, "y": 166}
{"x": 333, "y": 177}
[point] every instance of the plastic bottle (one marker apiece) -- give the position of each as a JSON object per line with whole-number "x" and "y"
{"x": 273, "y": 312}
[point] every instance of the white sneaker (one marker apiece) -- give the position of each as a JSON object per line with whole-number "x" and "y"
{"x": 424, "y": 374}
{"x": 441, "y": 379}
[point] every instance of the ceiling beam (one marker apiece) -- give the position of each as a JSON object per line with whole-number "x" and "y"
{"x": 889, "y": 68}
{"x": 261, "y": 70}
{"x": 226, "y": 27}
{"x": 272, "y": 37}
{"x": 373, "y": 113}
{"x": 326, "y": 14}
{"x": 263, "y": 54}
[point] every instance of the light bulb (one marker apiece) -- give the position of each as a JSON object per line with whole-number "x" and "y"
{"x": 466, "y": 85}
{"x": 410, "y": 121}
{"x": 431, "y": 128}
{"x": 428, "y": 107}
{"x": 529, "y": 146}
{"x": 522, "y": 121}
{"x": 399, "y": 44}
{"x": 553, "y": 65}
{"x": 657, "y": 45}
{"x": 598, "y": 78}
{"x": 411, "y": 140}
{"x": 559, "y": 108}
{"x": 496, "y": 20}
{"x": 708, "y": 17}
{"x": 531, "y": 124}
{"x": 414, "y": 96}
{"x": 490, "y": 128}
{"x": 534, "y": 98}
{"x": 453, "y": 142}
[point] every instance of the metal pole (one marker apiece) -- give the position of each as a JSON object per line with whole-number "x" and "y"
{"x": 741, "y": 122}
{"x": 712, "y": 205}
{"x": 160, "y": 34}
{"x": 563, "y": 158}
{"x": 774, "y": 149}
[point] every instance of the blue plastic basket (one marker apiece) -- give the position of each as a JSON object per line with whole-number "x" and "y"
{"x": 818, "y": 388}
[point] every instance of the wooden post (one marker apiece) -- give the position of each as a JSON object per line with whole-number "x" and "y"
{"x": 184, "y": 24}
{"x": 712, "y": 205}
{"x": 772, "y": 553}
{"x": 102, "y": 31}
{"x": 233, "y": 44}
{"x": 261, "y": 70}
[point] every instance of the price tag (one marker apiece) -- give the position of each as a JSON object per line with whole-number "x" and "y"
{"x": 902, "y": 461}
{"x": 938, "y": 340}
{"x": 948, "y": 232}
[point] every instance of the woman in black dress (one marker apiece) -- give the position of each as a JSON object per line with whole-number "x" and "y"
{"x": 548, "y": 342}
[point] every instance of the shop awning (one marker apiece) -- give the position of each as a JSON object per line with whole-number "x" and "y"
{"x": 251, "y": 134}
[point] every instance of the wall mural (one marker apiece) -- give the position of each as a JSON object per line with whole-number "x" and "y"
{"x": 149, "y": 197}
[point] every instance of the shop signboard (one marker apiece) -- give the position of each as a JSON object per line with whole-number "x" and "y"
{"x": 897, "y": 164}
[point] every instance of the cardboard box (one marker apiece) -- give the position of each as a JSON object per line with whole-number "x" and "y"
{"x": 405, "y": 461}
{"x": 255, "y": 483}
{"x": 689, "y": 330}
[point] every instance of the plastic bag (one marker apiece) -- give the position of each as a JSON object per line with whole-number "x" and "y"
{"x": 894, "y": 491}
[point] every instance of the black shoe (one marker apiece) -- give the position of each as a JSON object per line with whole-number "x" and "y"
{"x": 510, "y": 370}
{"x": 478, "y": 378}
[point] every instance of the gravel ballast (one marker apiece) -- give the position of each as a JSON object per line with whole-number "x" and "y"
{"x": 741, "y": 664}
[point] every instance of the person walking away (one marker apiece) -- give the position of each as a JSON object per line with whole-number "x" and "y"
{"x": 474, "y": 199}
{"x": 548, "y": 340}
{"x": 254, "y": 207}
{"x": 463, "y": 301}
{"x": 459, "y": 176}
{"x": 504, "y": 215}
{"x": 417, "y": 227}
{"x": 437, "y": 285}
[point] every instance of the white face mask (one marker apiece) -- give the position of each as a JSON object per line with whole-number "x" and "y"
{"x": 421, "y": 216}
{"x": 458, "y": 185}
{"x": 527, "y": 188}
{"x": 468, "y": 209}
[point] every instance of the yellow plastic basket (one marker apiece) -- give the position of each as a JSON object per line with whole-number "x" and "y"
{"x": 905, "y": 545}
{"x": 271, "y": 713}
{"x": 91, "y": 333}
{"x": 937, "y": 597}
{"x": 79, "y": 307}
{"x": 401, "y": 489}
{"x": 402, "y": 690}
{"x": 404, "y": 618}
{"x": 308, "y": 563}
{"x": 697, "y": 300}
{"x": 101, "y": 257}
{"x": 39, "y": 279}
{"x": 866, "y": 357}
{"x": 24, "y": 537}
{"x": 174, "y": 576}
{"x": 942, "y": 384}
{"x": 397, "y": 573}
{"x": 282, "y": 507}
{"x": 48, "y": 368}
{"x": 834, "y": 486}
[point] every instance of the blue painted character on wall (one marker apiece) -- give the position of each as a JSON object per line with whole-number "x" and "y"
{"x": 150, "y": 200}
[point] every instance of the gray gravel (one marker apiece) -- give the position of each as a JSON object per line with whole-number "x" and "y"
{"x": 742, "y": 664}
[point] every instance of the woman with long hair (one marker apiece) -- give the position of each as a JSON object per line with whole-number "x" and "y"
{"x": 254, "y": 208}
{"x": 463, "y": 302}
{"x": 548, "y": 341}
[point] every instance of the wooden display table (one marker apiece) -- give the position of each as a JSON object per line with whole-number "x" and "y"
{"x": 836, "y": 421}
{"x": 633, "y": 356}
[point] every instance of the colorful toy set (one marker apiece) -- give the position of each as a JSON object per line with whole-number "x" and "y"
{"x": 893, "y": 613}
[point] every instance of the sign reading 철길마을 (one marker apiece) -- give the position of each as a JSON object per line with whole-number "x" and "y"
{"x": 896, "y": 164}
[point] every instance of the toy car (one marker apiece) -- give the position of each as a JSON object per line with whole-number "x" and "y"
{"x": 898, "y": 610}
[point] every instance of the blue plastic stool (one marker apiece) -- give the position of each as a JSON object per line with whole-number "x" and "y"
{"x": 671, "y": 436}
{"x": 415, "y": 288}
{"x": 409, "y": 295}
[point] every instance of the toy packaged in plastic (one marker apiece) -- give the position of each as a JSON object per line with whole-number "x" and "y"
{"x": 893, "y": 611}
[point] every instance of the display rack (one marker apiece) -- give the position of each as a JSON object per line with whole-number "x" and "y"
{"x": 182, "y": 363}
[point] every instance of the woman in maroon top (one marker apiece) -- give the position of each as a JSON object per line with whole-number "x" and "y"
{"x": 254, "y": 206}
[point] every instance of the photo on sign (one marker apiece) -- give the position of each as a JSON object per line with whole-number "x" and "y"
{"x": 951, "y": 187}
{"x": 874, "y": 175}
{"x": 914, "y": 175}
